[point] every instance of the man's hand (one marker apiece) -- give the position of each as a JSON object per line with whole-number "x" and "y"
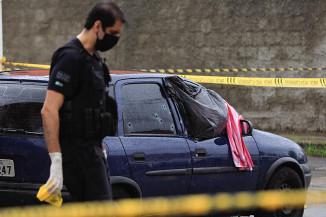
{"x": 55, "y": 174}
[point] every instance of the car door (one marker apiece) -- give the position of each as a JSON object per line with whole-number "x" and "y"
{"x": 214, "y": 170}
{"x": 158, "y": 157}
{"x": 213, "y": 167}
{"x": 24, "y": 160}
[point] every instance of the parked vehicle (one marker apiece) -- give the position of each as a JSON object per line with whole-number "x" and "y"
{"x": 153, "y": 152}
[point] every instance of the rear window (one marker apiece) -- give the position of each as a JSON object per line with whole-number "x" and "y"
{"x": 20, "y": 107}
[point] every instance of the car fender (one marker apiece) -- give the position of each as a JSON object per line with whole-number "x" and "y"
{"x": 130, "y": 184}
{"x": 284, "y": 161}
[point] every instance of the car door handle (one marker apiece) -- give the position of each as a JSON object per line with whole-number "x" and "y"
{"x": 200, "y": 153}
{"x": 139, "y": 157}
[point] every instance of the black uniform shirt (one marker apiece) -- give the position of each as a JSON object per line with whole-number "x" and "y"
{"x": 68, "y": 73}
{"x": 69, "y": 77}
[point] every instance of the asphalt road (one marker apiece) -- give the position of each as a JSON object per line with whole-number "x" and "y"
{"x": 318, "y": 182}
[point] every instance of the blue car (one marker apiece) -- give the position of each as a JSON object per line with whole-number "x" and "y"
{"x": 155, "y": 151}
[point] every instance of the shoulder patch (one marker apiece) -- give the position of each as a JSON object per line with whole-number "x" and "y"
{"x": 63, "y": 76}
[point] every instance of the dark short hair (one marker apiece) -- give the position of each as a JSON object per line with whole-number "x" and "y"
{"x": 106, "y": 12}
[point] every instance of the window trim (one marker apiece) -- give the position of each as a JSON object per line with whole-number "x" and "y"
{"x": 150, "y": 135}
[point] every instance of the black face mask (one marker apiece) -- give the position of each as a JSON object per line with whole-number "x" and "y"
{"x": 106, "y": 43}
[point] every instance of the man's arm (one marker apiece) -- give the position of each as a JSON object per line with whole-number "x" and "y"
{"x": 51, "y": 122}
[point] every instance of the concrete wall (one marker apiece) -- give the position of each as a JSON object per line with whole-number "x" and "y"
{"x": 198, "y": 34}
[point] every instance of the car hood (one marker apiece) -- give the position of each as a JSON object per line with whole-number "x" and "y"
{"x": 271, "y": 145}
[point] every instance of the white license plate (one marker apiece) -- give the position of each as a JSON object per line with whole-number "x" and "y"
{"x": 7, "y": 168}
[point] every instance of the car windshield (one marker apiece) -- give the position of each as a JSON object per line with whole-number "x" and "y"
{"x": 20, "y": 107}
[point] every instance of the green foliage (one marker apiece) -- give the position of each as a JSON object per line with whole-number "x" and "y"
{"x": 314, "y": 146}
{"x": 315, "y": 150}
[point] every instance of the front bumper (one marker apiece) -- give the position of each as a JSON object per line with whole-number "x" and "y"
{"x": 306, "y": 174}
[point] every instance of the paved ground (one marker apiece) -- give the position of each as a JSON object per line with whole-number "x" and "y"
{"x": 318, "y": 182}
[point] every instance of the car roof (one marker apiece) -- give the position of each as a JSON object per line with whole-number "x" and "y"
{"x": 42, "y": 76}
{"x": 122, "y": 76}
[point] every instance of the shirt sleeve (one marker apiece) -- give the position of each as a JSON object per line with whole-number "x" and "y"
{"x": 65, "y": 74}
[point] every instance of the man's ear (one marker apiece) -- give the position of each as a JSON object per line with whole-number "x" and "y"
{"x": 97, "y": 26}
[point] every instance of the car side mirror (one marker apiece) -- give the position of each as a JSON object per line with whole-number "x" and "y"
{"x": 246, "y": 127}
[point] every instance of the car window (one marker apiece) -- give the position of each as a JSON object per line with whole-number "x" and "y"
{"x": 20, "y": 107}
{"x": 146, "y": 110}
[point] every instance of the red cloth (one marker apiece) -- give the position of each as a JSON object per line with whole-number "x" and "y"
{"x": 240, "y": 154}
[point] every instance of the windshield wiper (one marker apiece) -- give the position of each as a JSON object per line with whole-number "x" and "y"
{"x": 19, "y": 131}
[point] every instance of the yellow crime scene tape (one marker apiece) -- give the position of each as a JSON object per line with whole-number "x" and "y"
{"x": 207, "y": 70}
{"x": 260, "y": 82}
{"x": 230, "y": 70}
{"x": 193, "y": 205}
{"x": 242, "y": 81}
{"x": 3, "y": 61}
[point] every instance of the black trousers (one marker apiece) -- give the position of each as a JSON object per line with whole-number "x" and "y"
{"x": 85, "y": 171}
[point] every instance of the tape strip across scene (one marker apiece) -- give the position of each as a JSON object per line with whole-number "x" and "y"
{"x": 260, "y": 82}
{"x": 242, "y": 81}
{"x": 39, "y": 66}
{"x": 230, "y": 70}
{"x": 207, "y": 70}
{"x": 193, "y": 205}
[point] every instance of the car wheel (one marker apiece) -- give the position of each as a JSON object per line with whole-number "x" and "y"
{"x": 284, "y": 179}
{"x": 119, "y": 192}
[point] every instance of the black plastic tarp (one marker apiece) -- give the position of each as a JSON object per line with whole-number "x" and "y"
{"x": 203, "y": 110}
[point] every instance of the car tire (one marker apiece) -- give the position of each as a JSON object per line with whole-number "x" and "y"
{"x": 284, "y": 178}
{"x": 119, "y": 192}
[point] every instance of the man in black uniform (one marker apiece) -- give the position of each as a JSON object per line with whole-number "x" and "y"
{"x": 76, "y": 112}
